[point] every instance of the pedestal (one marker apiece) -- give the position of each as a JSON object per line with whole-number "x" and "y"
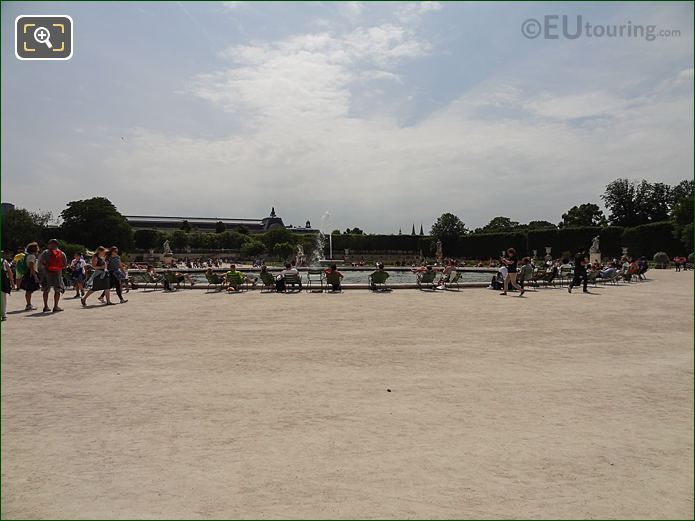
{"x": 595, "y": 256}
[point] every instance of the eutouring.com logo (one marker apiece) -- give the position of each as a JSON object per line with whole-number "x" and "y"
{"x": 555, "y": 27}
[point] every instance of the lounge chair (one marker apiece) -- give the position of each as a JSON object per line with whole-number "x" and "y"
{"x": 214, "y": 282}
{"x": 145, "y": 281}
{"x": 592, "y": 277}
{"x": 331, "y": 279}
{"x": 295, "y": 281}
{"x": 315, "y": 281}
{"x": 453, "y": 284}
{"x": 237, "y": 280}
{"x": 426, "y": 280}
{"x": 170, "y": 281}
{"x": 377, "y": 281}
{"x": 268, "y": 282}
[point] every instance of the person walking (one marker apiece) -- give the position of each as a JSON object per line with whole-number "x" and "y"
{"x": 52, "y": 262}
{"x": 26, "y": 266}
{"x": 78, "y": 273}
{"x": 7, "y": 285}
{"x": 100, "y": 277}
{"x": 510, "y": 262}
{"x": 114, "y": 267}
{"x": 580, "y": 274}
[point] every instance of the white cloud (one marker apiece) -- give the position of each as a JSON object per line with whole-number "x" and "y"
{"x": 412, "y": 12}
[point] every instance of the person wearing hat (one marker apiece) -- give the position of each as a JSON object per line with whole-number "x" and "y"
{"x": 52, "y": 262}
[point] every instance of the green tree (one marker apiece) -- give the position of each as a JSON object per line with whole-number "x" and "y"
{"x": 587, "y": 214}
{"x": 682, "y": 203}
{"x": 283, "y": 250}
{"x": 448, "y": 229}
{"x": 148, "y": 239}
{"x": 354, "y": 231}
{"x": 633, "y": 204}
{"x": 652, "y": 201}
{"x": 20, "y": 227}
{"x": 179, "y": 240}
{"x": 95, "y": 222}
{"x": 277, "y": 235}
{"x": 242, "y": 230}
{"x": 220, "y": 227}
{"x": 231, "y": 240}
{"x": 498, "y": 224}
{"x": 252, "y": 249}
{"x": 619, "y": 199}
{"x": 185, "y": 226}
{"x": 540, "y": 225}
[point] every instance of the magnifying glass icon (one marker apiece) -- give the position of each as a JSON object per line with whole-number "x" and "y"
{"x": 43, "y": 35}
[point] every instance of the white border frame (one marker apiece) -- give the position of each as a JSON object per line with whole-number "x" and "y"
{"x": 72, "y": 39}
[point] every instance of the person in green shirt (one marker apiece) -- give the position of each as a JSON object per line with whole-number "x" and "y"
{"x": 234, "y": 279}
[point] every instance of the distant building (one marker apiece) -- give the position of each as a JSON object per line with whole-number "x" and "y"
{"x": 209, "y": 224}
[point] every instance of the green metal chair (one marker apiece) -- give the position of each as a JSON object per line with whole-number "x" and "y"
{"x": 171, "y": 281}
{"x": 453, "y": 283}
{"x": 237, "y": 281}
{"x": 214, "y": 282}
{"x": 316, "y": 280}
{"x": 425, "y": 280}
{"x": 377, "y": 281}
{"x": 294, "y": 282}
{"x": 268, "y": 282}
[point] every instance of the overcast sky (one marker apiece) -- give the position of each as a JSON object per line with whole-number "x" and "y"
{"x": 382, "y": 114}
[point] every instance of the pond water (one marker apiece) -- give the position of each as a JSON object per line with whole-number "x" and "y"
{"x": 361, "y": 277}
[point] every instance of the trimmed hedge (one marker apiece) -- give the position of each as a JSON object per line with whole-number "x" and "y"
{"x": 647, "y": 239}
{"x": 641, "y": 240}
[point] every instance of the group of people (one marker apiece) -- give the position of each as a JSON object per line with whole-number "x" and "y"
{"x": 510, "y": 273}
{"x": 31, "y": 270}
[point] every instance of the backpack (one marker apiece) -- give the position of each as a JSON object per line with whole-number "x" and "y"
{"x": 20, "y": 263}
{"x": 55, "y": 261}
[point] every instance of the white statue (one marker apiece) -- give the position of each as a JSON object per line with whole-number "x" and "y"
{"x": 167, "y": 249}
{"x": 594, "y": 246}
{"x": 300, "y": 260}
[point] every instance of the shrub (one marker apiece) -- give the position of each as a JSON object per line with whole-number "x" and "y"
{"x": 69, "y": 249}
{"x": 148, "y": 239}
{"x": 647, "y": 239}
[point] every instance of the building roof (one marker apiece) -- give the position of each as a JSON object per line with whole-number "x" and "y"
{"x": 191, "y": 220}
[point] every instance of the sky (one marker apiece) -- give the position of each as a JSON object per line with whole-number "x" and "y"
{"x": 385, "y": 115}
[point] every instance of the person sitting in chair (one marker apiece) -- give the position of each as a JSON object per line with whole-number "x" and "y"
{"x": 334, "y": 277}
{"x": 280, "y": 279}
{"x": 234, "y": 279}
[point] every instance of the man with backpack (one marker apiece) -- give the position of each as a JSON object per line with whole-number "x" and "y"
{"x": 52, "y": 262}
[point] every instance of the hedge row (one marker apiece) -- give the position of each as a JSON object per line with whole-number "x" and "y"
{"x": 641, "y": 240}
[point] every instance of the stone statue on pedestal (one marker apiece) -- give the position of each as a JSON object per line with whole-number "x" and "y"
{"x": 595, "y": 246}
{"x": 167, "y": 248}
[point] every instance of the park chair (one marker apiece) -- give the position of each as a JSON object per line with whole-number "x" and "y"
{"x": 170, "y": 281}
{"x": 237, "y": 280}
{"x": 566, "y": 275}
{"x": 145, "y": 280}
{"x": 453, "y": 283}
{"x": 214, "y": 282}
{"x": 293, "y": 281}
{"x": 539, "y": 276}
{"x": 426, "y": 280}
{"x": 377, "y": 281}
{"x": 613, "y": 277}
{"x": 268, "y": 282}
{"x": 331, "y": 279}
{"x": 315, "y": 281}
{"x": 592, "y": 277}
